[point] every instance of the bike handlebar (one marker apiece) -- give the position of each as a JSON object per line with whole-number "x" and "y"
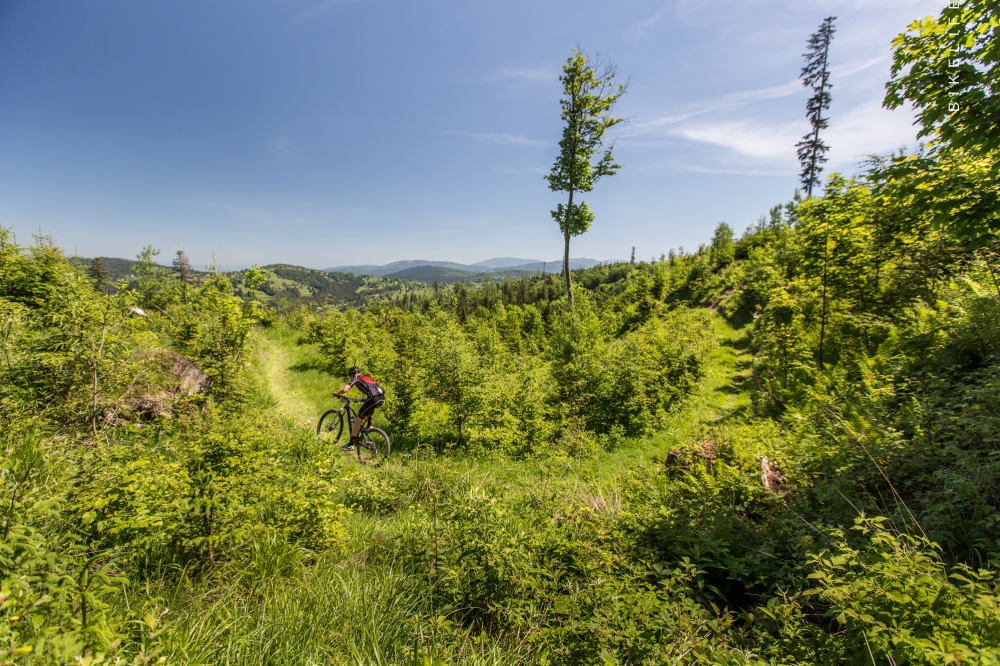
{"x": 346, "y": 399}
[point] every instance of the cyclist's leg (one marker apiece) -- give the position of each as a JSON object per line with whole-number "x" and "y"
{"x": 351, "y": 440}
{"x": 366, "y": 412}
{"x": 363, "y": 412}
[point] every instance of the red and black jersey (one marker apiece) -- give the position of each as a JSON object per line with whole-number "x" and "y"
{"x": 367, "y": 385}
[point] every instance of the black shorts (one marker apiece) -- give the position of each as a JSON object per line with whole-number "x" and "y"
{"x": 369, "y": 405}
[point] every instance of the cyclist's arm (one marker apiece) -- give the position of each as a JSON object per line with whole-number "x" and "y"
{"x": 347, "y": 387}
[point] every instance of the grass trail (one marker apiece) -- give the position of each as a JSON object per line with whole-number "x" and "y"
{"x": 295, "y": 376}
{"x": 721, "y": 393}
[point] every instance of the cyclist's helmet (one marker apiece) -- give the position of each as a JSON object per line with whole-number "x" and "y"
{"x": 353, "y": 370}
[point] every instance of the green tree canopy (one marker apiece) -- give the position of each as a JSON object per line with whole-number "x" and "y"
{"x": 254, "y": 278}
{"x": 947, "y": 68}
{"x": 589, "y": 94}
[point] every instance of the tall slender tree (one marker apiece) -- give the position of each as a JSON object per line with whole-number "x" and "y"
{"x": 182, "y": 269}
{"x": 98, "y": 274}
{"x": 589, "y": 94}
{"x": 816, "y": 75}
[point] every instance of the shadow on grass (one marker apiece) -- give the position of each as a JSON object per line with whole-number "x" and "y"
{"x": 738, "y": 413}
{"x": 310, "y": 365}
{"x": 740, "y": 343}
{"x": 740, "y": 319}
{"x": 730, "y": 389}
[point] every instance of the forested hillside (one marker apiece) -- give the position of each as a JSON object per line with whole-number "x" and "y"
{"x": 783, "y": 448}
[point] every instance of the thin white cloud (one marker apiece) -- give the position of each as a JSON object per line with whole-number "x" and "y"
{"x": 844, "y": 71}
{"x": 730, "y": 171}
{"x": 729, "y": 101}
{"x": 749, "y": 138}
{"x": 501, "y": 138}
{"x": 641, "y": 29}
{"x": 733, "y": 100}
{"x": 868, "y": 129}
{"x": 689, "y": 7}
{"x": 760, "y": 145}
{"x": 525, "y": 74}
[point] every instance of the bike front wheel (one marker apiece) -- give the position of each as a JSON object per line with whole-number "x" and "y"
{"x": 373, "y": 447}
{"x": 330, "y": 426}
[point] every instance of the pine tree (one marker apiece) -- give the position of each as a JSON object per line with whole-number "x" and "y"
{"x": 182, "y": 268}
{"x": 723, "y": 248}
{"x": 816, "y": 75}
{"x": 98, "y": 273}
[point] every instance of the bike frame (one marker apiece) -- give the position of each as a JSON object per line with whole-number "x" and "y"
{"x": 373, "y": 440}
{"x": 352, "y": 413}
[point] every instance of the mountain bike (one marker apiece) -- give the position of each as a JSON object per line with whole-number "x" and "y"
{"x": 373, "y": 444}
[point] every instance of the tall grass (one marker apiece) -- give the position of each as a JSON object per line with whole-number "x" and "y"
{"x": 321, "y": 614}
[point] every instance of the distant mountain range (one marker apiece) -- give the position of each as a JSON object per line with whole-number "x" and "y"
{"x": 453, "y": 272}
{"x": 417, "y": 269}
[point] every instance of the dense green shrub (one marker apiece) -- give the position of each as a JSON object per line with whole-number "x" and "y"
{"x": 623, "y": 385}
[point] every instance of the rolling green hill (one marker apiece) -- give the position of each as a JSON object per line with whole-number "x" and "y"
{"x": 118, "y": 269}
{"x": 431, "y": 274}
{"x": 296, "y": 283}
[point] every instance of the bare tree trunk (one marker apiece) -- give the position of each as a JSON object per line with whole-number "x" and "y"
{"x": 95, "y": 386}
{"x": 569, "y": 278}
{"x": 822, "y": 320}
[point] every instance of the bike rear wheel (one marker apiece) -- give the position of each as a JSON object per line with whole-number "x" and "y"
{"x": 330, "y": 426}
{"x": 373, "y": 447}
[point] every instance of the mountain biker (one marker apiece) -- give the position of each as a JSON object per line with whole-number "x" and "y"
{"x": 375, "y": 397}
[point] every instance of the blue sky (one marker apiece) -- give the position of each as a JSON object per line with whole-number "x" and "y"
{"x": 336, "y": 132}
